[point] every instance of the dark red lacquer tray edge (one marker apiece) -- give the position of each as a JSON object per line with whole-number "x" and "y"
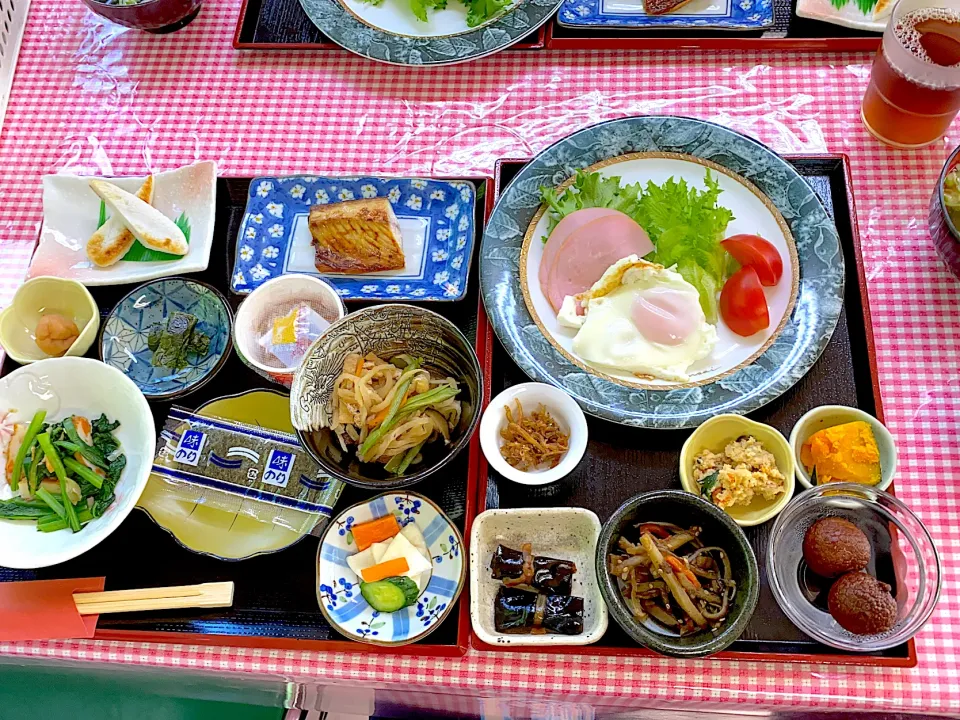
{"x": 239, "y": 44}
{"x": 348, "y": 646}
{"x": 733, "y": 42}
{"x": 547, "y": 40}
{"x": 821, "y": 659}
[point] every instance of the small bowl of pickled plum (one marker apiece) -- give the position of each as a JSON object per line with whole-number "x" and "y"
{"x": 836, "y": 443}
{"x": 49, "y": 317}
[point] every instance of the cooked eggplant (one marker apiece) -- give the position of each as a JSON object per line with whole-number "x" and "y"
{"x": 518, "y": 612}
{"x": 521, "y": 567}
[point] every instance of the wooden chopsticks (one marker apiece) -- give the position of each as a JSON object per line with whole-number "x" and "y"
{"x": 205, "y": 595}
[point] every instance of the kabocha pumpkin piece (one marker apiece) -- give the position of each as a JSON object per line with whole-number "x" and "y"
{"x": 843, "y": 453}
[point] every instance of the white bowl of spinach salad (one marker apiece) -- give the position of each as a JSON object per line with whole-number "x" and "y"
{"x": 77, "y": 439}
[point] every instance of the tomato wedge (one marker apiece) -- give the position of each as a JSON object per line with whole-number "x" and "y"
{"x": 759, "y": 254}
{"x": 743, "y": 305}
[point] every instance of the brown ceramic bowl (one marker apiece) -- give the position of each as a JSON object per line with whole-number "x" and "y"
{"x": 943, "y": 231}
{"x": 156, "y": 16}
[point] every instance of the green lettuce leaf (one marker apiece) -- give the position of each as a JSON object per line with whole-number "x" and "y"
{"x": 589, "y": 190}
{"x": 686, "y": 224}
{"x": 479, "y": 11}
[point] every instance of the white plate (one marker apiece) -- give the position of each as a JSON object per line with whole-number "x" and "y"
{"x": 753, "y": 212}
{"x": 52, "y": 385}
{"x": 561, "y": 533}
{"x": 71, "y": 211}
{"x": 848, "y": 16}
{"x": 396, "y": 18}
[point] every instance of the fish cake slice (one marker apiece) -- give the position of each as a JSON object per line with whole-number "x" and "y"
{"x": 113, "y": 239}
{"x": 148, "y": 225}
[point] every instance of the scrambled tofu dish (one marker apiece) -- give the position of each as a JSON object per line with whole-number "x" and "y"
{"x": 735, "y": 476}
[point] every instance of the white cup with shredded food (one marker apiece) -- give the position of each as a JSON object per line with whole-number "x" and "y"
{"x": 533, "y": 434}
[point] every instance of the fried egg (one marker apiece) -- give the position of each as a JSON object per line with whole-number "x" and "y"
{"x": 640, "y": 318}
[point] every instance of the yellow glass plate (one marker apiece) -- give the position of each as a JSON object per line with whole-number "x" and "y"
{"x": 212, "y": 531}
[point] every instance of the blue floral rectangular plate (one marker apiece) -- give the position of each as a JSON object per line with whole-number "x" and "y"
{"x": 703, "y": 14}
{"x": 436, "y": 220}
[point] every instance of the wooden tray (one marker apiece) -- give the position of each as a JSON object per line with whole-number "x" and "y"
{"x": 275, "y": 603}
{"x": 788, "y": 32}
{"x": 283, "y": 25}
{"x": 846, "y": 374}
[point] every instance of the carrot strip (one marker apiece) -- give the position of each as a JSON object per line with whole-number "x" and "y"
{"x": 390, "y": 568}
{"x": 382, "y": 415}
{"x": 368, "y": 533}
{"x": 677, "y": 565}
{"x": 654, "y": 530}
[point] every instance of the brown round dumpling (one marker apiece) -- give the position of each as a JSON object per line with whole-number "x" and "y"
{"x": 833, "y": 546}
{"x": 862, "y": 604}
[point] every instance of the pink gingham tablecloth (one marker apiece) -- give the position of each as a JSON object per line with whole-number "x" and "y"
{"x": 93, "y": 98}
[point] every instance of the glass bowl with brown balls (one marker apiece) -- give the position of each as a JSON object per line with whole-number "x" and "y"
{"x": 853, "y": 567}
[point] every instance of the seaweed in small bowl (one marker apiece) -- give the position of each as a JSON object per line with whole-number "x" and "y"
{"x": 662, "y": 515}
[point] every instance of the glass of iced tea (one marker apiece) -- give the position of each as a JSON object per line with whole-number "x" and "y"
{"x": 914, "y": 90}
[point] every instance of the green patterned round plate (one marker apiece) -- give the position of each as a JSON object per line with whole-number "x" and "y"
{"x": 388, "y": 31}
{"x": 767, "y": 196}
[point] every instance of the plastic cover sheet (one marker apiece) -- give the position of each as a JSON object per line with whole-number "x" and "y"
{"x": 94, "y": 98}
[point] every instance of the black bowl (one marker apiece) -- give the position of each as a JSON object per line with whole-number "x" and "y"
{"x": 156, "y": 16}
{"x": 943, "y": 231}
{"x": 684, "y": 509}
{"x": 387, "y": 330}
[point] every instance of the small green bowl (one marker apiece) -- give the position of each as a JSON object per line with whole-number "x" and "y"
{"x": 684, "y": 509}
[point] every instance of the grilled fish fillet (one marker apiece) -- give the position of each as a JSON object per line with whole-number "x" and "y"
{"x": 356, "y": 236}
{"x": 111, "y": 242}
{"x": 662, "y": 7}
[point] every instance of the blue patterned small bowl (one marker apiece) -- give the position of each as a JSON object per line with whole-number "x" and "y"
{"x": 338, "y": 589}
{"x": 123, "y": 340}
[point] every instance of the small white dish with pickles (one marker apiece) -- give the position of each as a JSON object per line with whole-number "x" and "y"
{"x": 533, "y": 577}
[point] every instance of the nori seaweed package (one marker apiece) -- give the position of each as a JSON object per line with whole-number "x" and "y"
{"x": 261, "y": 473}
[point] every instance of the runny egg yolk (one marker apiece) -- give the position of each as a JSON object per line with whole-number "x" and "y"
{"x": 664, "y": 315}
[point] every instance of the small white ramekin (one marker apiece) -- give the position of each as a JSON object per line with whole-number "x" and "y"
{"x": 564, "y": 410}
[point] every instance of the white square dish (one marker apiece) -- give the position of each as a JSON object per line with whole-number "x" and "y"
{"x": 71, "y": 212}
{"x": 563, "y": 533}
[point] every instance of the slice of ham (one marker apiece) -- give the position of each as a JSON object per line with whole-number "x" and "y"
{"x": 561, "y": 232}
{"x": 589, "y": 250}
